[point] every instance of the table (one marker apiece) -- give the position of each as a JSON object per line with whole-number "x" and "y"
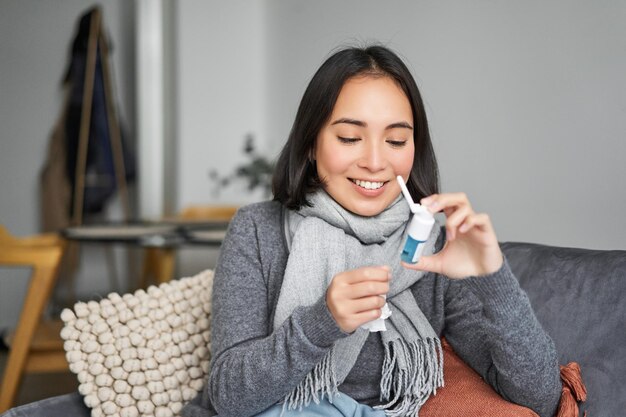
{"x": 151, "y": 234}
{"x": 159, "y": 239}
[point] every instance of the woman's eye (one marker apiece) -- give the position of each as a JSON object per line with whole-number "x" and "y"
{"x": 347, "y": 140}
{"x": 396, "y": 143}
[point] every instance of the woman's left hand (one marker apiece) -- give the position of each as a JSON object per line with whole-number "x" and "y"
{"x": 471, "y": 247}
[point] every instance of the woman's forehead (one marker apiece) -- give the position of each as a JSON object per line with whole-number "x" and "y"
{"x": 372, "y": 100}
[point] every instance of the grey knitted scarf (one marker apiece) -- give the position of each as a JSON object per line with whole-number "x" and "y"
{"x": 326, "y": 239}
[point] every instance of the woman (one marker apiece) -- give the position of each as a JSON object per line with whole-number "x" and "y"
{"x": 298, "y": 277}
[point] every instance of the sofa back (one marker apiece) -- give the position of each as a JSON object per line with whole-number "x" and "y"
{"x": 579, "y": 296}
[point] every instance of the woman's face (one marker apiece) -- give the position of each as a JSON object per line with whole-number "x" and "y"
{"x": 365, "y": 144}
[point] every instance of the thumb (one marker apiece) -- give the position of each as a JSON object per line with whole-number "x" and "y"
{"x": 430, "y": 263}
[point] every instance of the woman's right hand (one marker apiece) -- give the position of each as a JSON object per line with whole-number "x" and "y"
{"x": 355, "y": 297}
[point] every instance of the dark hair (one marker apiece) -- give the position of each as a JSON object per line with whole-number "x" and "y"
{"x": 295, "y": 174}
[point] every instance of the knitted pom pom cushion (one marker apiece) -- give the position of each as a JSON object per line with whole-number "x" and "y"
{"x": 141, "y": 354}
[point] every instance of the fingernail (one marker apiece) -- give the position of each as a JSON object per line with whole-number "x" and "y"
{"x": 434, "y": 207}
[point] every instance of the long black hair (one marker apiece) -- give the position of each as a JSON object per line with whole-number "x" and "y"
{"x": 295, "y": 173}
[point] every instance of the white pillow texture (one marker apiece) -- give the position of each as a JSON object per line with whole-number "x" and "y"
{"x": 141, "y": 354}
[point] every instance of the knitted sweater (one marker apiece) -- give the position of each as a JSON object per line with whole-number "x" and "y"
{"x": 488, "y": 320}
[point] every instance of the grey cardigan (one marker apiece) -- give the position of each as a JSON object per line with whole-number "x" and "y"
{"x": 488, "y": 320}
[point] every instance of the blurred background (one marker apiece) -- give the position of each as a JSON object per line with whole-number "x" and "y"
{"x": 526, "y": 103}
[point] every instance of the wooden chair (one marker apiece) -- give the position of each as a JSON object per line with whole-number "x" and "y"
{"x": 35, "y": 346}
{"x": 158, "y": 263}
{"x": 204, "y": 213}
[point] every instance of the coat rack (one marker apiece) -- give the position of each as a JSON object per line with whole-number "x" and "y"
{"x": 97, "y": 41}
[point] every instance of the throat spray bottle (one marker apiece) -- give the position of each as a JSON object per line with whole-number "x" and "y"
{"x": 419, "y": 227}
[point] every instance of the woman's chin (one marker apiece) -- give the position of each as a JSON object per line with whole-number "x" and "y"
{"x": 368, "y": 208}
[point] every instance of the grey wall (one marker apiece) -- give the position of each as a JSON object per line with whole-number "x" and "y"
{"x": 35, "y": 37}
{"x": 222, "y": 63}
{"x": 221, "y": 57}
{"x": 526, "y": 100}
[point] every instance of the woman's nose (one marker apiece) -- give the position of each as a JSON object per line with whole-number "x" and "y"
{"x": 372, "y": 158}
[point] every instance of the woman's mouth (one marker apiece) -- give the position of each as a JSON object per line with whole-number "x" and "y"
{"x": 368, "y": 185}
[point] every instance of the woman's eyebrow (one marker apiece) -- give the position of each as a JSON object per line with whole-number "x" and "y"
{"x": 403, "y": 125}
{"x": 361, "y": 123}
{"x": 349, "y": 121}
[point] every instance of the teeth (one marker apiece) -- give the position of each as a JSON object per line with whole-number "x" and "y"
{"x": 369, "y": 185}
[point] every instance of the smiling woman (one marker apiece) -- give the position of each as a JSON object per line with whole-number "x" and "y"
{"x": 302, "y": 279}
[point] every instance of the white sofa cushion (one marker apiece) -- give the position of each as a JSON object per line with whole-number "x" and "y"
{"x": 141, "y": 354}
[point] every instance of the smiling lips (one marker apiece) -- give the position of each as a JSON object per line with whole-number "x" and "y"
{"x": 368, "y": 185}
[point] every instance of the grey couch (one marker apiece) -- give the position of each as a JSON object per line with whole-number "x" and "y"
{"x": 579, "y": 297}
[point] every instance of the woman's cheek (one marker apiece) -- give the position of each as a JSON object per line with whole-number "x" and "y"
{"x": 403, "y": 162}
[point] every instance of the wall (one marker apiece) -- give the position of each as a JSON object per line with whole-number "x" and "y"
{"x": 221, "y": 84}
{"x": 35, "y": 38}
{"x": 221, "y": 97}
{"x": 526, "y": 101}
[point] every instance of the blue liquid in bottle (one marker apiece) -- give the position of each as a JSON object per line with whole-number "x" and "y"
{"x": 411, "y": 248}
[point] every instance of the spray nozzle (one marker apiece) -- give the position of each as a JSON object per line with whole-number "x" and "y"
{"x": 415, "y": 207}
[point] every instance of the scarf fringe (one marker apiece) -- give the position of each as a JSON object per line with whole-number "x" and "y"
{"x": 319, "y": 383}
{"x": 412, "y": 372}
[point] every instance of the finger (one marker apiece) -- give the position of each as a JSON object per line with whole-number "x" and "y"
{"x": 368, "y": 273}
{"x": 368, "y": 288}
{"x": 456, "y": 219}
{"x": 360, "y": 319}
{"x": 351, "y": 322}
{"x": 479, "y": 220}
{"x": 427, "y": 201}
{"x": 367, "y": 303}
{"x": 439, "y": 202}
{"x": 426, "y": 263}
